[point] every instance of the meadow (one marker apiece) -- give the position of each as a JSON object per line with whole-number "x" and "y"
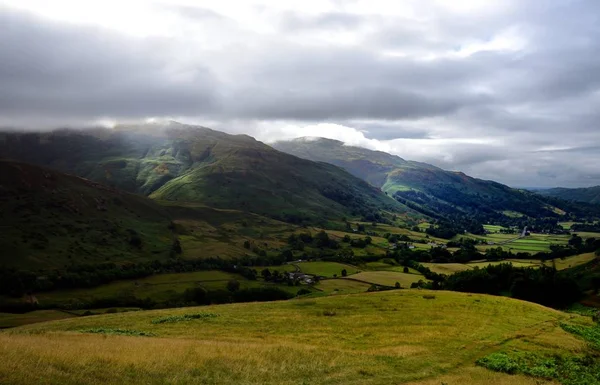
{"x": 326, "y": 269}
{"x": 387, "y": 278}
{"x": 401, "y": 336}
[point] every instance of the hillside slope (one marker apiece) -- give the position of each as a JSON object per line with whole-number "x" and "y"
{"x": 427, "y": 188}
{"x": 195, "y": 164}
{"x": 401, "y": 336}
{"x": 52, "y": 220}
{"x": 584, "y": 194}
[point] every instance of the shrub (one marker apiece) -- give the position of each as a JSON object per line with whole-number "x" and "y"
{"x": 119, "y": 332}
{"x": 233, "y": 285}
{"x": 329, "y": 312}
{"x": 303, "y": 291}
{"x": 183, "y": 317}
{"x": 429, "y": 296}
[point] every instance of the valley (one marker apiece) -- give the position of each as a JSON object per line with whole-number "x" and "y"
{"x": 372, "y": 269}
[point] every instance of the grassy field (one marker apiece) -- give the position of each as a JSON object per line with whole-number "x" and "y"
{"x": 376, "y": 338}
{"x": 560, "y": 264}
{"x": 576, "y": 260}
{"x": 342, "y": 286}
{"x": 9, "y": 320}
{"x": 326, "y": 269}
{"x": 388, "y": 278}
{"x": 446, "y": 268}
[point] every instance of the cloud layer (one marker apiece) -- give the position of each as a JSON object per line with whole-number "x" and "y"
{"x": 505, "y": 90}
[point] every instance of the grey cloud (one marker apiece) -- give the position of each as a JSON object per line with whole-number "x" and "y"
{"x": 541, "y": 96}
{"x": 59, "y": 70}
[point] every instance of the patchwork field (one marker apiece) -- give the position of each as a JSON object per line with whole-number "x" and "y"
{"x": 401, "y": 336}
{"x": 560, "y": 264}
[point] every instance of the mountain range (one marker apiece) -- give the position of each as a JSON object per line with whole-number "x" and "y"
{"x": 180, "y": 163}
{"x": 428, "y": 189}
{"x": 584, "y": 194}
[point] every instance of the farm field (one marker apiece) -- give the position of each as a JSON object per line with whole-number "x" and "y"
{"x": 560, "y": 264}
{"x": 446, "y": 268}
{"x": 401, "y": 336}
{"x": 576, "y": 260}
{"x": 326, "y": 269}
{"x": 388, "y": 278}
{"x": 342, "y": 286}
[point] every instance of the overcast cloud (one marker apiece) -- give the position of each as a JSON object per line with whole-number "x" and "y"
{"x": 507, "y": 90}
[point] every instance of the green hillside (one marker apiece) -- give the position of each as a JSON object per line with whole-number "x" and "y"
{"x": 182, "y": 163}
{"x": 429, "y": 189}
{"x": 585, "y": 194}
{"x": 52, "y": 220}
{"x": 403, "y": 336}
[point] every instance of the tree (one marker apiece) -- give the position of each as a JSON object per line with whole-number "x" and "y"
{"x": 397, "y": 285}
{"x": 406, "y": 270}
{"x": 344, "y": 273}
{"x": 233, "y": 285}
{"x": 246, "y": 244}
{"x": 266, "y": 274}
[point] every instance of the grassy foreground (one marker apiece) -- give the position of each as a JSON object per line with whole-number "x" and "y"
{"x": 403, "y": 336}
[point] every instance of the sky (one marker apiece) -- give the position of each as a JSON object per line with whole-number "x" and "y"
{"x": 507, "y": 90}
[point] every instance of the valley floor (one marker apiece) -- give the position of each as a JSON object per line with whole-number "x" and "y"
{"x": 401, "y": 336}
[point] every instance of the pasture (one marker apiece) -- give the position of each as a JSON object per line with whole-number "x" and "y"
{"x": 401, "y": 336}
{"x": 388, "y": 278}
{"x": 341, "y": 286}
{"x": 326, "y": 269}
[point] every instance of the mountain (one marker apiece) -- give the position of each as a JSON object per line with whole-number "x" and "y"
{"x": 426, "y": 188}
{"x": 182, "y": 163}
{"x": 585, "y": 194}
{"x": 52, "y": 220}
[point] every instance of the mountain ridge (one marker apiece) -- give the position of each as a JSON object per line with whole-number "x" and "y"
{"x": 178, "y": 162}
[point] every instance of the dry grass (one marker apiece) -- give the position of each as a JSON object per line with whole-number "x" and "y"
{"x": 374, "y": 338}
{"x": 446, "y": 268}
{"x": 573, "y": 261}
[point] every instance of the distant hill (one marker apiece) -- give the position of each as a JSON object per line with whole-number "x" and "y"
{"x": 429, "y": 189}
{"x": 51, "y": 220}
{"x": 183, "y": 163}
{"x": 585, "y": 194}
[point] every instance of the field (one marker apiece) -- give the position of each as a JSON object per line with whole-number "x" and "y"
{"x": 446, "y": 268}
{"x": 560, "y": 264}
{"x": 342, "y": 286}
{"x": 576, "y": 260}
{"x": 402, "y": 336}
{"x": 9, "y": 320}
{"x": 326, "y": 269}
{"x": 533, "y": 243}
{"x": 388, "y": 278}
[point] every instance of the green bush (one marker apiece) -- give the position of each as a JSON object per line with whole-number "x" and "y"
{"x": 119, "y": 332}
{"x": 183, "y": 317}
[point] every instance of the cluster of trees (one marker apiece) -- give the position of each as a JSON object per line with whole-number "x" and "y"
{"x": 360, "y": 243}
{"x": 321, "y": 240}
{"x": 16, "y": 283}
{"x": 543, "y": 285}
{"x": 590, "y": 227}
